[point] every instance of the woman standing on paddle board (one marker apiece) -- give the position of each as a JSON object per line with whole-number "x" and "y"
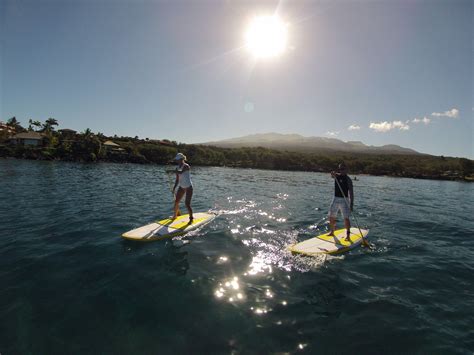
{"x": 343, "y": 195}
{"x": 183, "y": 180}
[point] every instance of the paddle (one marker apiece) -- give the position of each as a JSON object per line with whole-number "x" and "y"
{"x": 171, "y": 188}
{"x": 364, "y": 242}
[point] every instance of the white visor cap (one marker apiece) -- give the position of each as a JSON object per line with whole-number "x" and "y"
{"x": 180, "y": 156}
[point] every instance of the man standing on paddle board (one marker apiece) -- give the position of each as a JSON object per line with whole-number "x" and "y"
{"x": 183, "y": 180}
{"x": 343, "y": 196}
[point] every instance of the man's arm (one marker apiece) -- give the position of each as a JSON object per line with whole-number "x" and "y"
{"x": 351, "y": 193}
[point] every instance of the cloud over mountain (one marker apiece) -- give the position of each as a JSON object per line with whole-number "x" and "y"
{"x": 386, "y": 126}
{"x": 353, "y": 127}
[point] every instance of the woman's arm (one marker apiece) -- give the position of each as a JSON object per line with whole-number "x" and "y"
{"x": 183, "y": 169}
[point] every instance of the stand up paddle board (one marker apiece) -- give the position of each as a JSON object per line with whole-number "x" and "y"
{"x": 325, "y": 244}
{"x": 168, "y": 228}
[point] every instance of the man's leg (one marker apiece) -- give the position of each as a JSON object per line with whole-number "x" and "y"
{"x": 332, "y": 224}
{"x": 347, "y": 224}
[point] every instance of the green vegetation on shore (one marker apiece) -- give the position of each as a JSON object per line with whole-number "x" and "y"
{"x": 87, "y": 146}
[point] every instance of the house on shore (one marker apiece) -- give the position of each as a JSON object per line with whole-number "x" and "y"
{"x": 32, "y": 139}
{"x": 6, "y": 128}
{"x": 112, "y": 147}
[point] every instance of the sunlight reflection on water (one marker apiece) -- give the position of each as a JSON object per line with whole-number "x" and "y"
{"x": 267, "y": 245}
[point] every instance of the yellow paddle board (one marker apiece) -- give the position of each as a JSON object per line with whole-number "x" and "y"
{"x": 325, "y": 244}
{"x": 168, "y": 228}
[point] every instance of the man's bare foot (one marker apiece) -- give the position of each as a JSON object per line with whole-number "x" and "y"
{"x": 348, "y": 239}
{"x": 331, "y": 234}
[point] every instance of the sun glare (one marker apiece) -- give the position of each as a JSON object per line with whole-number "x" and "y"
{"x": 266, "y": 37}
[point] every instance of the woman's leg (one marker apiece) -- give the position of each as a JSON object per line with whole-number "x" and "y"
{"x": 187, "y": 201}
{"x": 179, "y": 196}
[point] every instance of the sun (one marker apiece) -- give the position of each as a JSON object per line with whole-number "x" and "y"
{"x": 266, "y": 37}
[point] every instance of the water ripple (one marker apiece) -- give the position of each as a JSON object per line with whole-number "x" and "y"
{"x": 64, "y": 267}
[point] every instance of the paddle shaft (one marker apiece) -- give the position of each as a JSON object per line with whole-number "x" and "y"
{"x": 353, "y": 215}
{"x": 171, "y": 189}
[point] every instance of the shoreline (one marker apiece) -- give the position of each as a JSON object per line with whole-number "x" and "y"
{"x": 68, "y": 145}
{"x": 237, "y": 166}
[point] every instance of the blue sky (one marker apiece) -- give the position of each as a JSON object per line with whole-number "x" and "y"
{"x": 177, "y": 70}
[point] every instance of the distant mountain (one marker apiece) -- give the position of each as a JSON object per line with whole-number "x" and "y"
{"x": 296, "y": 142}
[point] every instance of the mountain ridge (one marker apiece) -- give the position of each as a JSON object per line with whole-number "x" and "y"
{"x": 297, "y": 142}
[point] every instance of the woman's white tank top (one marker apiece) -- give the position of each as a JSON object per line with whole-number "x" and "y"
{"x": 184, "y": 177}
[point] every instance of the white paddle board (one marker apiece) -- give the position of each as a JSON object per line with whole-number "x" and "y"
{"x": 168, "y": 228}
{"x": 325, "y": 244}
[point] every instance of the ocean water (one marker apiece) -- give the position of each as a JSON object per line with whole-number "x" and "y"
{"x": 70, "y": 284}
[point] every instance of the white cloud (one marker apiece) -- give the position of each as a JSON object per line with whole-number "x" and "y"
{"x": 353, "y": 127}
{"x": 332, "y": 133}
{"x": 400, "y": 125}
{"x": 387, "y": 126}
{"x": 453, "y": 113}
{"x": 424, "y": 120}
{"x": 381, "y": 126}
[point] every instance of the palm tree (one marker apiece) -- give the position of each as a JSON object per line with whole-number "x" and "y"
{"x": 15, "y": 124}
{"x": 37, "y": 124}
{"x": 12, "y": 122}
{"x": 87, "y": 133}
{"x": 49, "y": 124}
{"x": 90, "y": 145}
{"x": 32, "y": 124}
